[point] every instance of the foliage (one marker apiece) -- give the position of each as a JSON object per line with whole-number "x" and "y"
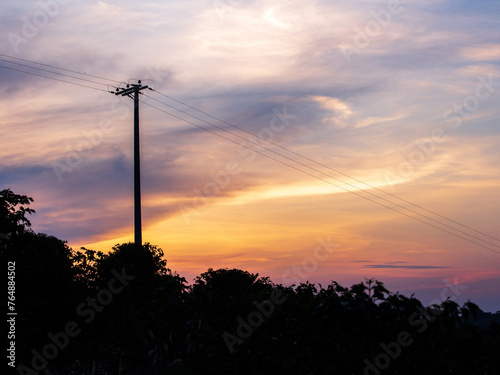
{"x": 151, "y": 322}
{"x": 13, "y": 210}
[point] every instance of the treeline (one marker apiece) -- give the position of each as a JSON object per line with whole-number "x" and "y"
{"x": 86, "y": 312}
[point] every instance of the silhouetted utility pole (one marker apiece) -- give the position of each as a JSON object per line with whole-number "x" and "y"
{"x": 132, "y": 91}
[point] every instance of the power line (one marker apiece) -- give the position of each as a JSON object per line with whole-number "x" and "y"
{"x": 63, "y": 69}
{"x": 324, "y": 180}
{"x": 55, "y": 79}
{"x": 49, "y": 71}
{"x": 55, "y": 67}
{"x": 277, "y": 145}
{"x": 328, "y": 167}
{"x": 328, "y": 175}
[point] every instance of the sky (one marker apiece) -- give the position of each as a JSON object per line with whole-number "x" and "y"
{"x": 344, "y": 135}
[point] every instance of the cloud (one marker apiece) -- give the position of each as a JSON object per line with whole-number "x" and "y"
{"x": 340, "y": 111}
{"x": 404, "y": 267}
{"x": 488, "y": 52}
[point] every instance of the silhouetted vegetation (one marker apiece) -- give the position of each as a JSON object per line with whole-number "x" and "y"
{"x": 125, "y": 312}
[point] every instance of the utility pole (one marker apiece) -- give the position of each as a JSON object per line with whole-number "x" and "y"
{"x": 132, "y": 91}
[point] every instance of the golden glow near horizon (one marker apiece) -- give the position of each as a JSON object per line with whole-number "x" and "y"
{"x": 363, "y": 88}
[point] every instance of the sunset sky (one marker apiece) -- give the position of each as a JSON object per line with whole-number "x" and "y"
{"x": 403, "y": 96}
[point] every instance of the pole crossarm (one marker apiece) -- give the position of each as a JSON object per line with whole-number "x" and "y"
{"x": 130, "y": 89}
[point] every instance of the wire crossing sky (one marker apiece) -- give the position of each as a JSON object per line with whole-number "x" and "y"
{"x": 319, "y": 109}
{"x": 291, "y": 159}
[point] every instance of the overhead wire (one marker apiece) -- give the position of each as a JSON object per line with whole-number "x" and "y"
{"x": 52, "y": 78}
{"x": 57, "y": 73}
{"x": 328, "y": 167}
{"x": 324, "y": 180}
{"x": 56, "y": 67}
{"x": 273, "y": 143}
{"x": 326, "y": 174}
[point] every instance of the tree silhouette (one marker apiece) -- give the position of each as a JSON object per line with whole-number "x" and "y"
{"x": 144, "y": 314}
{"x": 13, "y": 210}
{"x": 46, "y": 291}
{"x": 138, "y": 317}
